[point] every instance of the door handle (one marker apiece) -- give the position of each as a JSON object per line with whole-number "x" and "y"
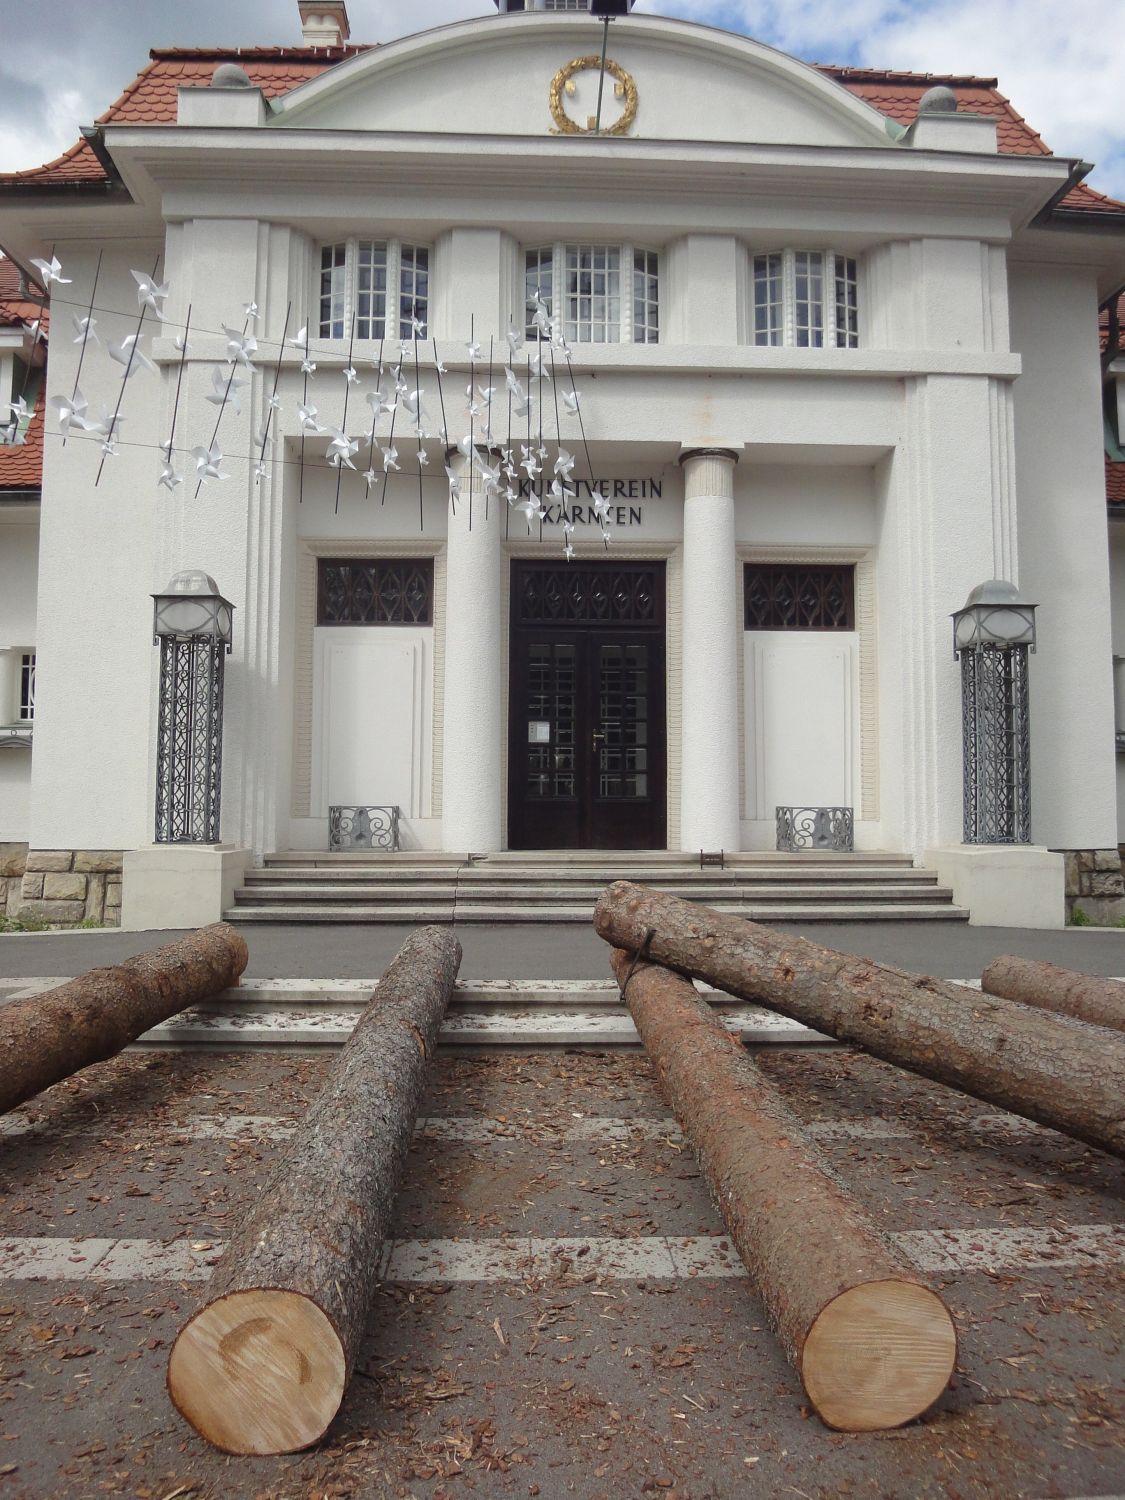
{"x": 598, "y": 738}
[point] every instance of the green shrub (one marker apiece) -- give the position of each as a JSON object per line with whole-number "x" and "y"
{"x": 1079, "y": 918}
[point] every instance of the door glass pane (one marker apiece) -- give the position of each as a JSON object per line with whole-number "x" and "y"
{"x": 623, "y": 702}
{"x": 551, "y": 701}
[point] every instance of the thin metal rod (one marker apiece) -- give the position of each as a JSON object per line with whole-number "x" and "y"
{"x": 601, "y": 75}
{"x": 86, "y": 331}
{"x": 344, "y": 418}
{"x": 125, "y": 377}
{"x": 179, "y": 383}
{"x": 276, "y": 378}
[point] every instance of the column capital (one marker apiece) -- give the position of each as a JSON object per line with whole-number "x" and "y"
{"x": 687, "y": 453}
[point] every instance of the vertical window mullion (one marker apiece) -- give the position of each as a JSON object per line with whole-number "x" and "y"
{"x": 789, "y": 299}
{"x": 394, "y": 288}
{"x": 828, "y": 299}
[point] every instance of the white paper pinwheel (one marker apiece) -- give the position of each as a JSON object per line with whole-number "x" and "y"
{"x": 423, "y": 458}
{"x": 341, "y": 449}
{"x": 490, "y": 475}
{"x": 207, "y": 461}
{"x": 274, "y": 403}
{"x": 379, "y": 403}
{"x": 473, "y": 347}
{"x": 300, "y": 338}
{"x": 181, "y": 342}
{"x": 19, "y": 410}
{"x": 250, "y": 311}
{"x": 538, "y": 365}
{"x": 260, "y": 470}
{"x": 530, "y": 508}
{"x": 390, "y": 459}
{"x": 129, "y": 353}
{"x": 351, "y": 375}
{"x": 454, "y": 482}
{"x": 369, "y": 476}
{"x": 225, "y": 386}
{"x": 71, "y": 411}
{"x": 515, "y": 339}
{"x": 150, "y": 293}
{"x": 563, "y": 493}
{"x": 466, "y": 446}
{"x": 306, "y": 415}
{"x": 417, "y": 328}
{"x": 607, "y": 535}
{"x": 240, "y": 347}
{"x": 568, "y": 552}
{"x": 412, "y": 404}
{"x": 169, "y": 479}
{"x": 50, "y": 271}
{"x": 570, "y": 401}
{"x": 84, "y": 329}
{"x": 530, "y": 466}
{"x": 564, "y": 464}
{"x": 308, "y": 367}
{"x": 600, "y": 507}
{"x": 440, "y": 368}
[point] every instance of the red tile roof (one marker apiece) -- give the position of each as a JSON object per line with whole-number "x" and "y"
{"x": 1114, "y": 481}
{"x": 21, "y": 468}
{"x": 151, "y": 100}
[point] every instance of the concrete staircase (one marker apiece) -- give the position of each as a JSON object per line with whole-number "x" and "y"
{"x": 553, "y": 886}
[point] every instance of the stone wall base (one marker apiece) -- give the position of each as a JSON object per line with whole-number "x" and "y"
{"x": 1095, "y": 884}
{"x": 13, "y": 863}
{"x": 68, "y": 886}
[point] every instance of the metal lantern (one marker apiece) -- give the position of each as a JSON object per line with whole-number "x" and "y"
{"x": 993, "y": 635}
{"x": 193, "y": 624}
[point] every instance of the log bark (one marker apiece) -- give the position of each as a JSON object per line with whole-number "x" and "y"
{"x": 873, "y": 1345}
{"x": 263, "y": 1365}
{"x": 1047, "y": 1068}
{"x": 50, "y": 1036}
{"x": 1101, "y": 1002}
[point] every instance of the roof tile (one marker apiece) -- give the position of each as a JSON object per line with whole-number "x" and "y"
{"x": 1114, "y": 482}
{"x": 21, "y": 467}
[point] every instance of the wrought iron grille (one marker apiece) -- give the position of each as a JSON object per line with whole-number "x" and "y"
{"x": 363, "y": 828}
{"x": 189, "y": 742}
{"x": 375, "y": 591}
{"x": 627, "y": 595}
{"x": 792, "y": 596}
{"x": 802, "y": 828}
{"x": 996, "y": 730}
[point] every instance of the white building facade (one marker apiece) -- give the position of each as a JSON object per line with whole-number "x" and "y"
{"x": 831, "y": 375}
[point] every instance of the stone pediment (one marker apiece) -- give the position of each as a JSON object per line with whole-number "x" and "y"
{"x": 534, "y": 75}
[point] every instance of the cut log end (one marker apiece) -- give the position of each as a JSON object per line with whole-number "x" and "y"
{"x": 259, "y": 1372}
{"x": 878, "y": 1355}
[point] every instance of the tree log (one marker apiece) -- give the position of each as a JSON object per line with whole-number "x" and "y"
{"x": 1101, "y": 1002}
{"x": 263, "y": 1365}
{"x": 50, "y": 1036}
{"x": 873, "y": 1345}
{"x": 1047, "y": 1068}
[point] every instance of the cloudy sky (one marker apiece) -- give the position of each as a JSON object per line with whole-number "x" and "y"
{"x": 1062, "y": 62}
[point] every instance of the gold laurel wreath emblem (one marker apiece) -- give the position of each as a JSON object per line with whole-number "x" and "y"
{"x": 564, "y": 124}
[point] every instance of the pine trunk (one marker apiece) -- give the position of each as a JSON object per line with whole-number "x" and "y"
{"x": 1044, "y": 1067}
{"x": 262, "y": 1367}
{"x": 50, "y": 1036}
{"x": 873, "y": 1345}
{"x": 1101, "y": 1002}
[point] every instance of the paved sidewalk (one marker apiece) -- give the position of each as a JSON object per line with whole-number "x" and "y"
{"x": 566, "y": 951}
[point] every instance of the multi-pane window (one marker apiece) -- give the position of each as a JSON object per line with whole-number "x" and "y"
{"x": 27, "y": 685}
{"x": 799, "y": 596}
{"x": 566, "y": 4}
{"x": 768, "y": 320}
{"x": 588, "y": 287}
{"x": 380, "y": 285}
{"x": 375, "y": 591}
{"x": 807, "y": 299}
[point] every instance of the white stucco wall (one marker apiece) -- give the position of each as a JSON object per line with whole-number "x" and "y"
{"x": 1063, "y": 556}
{"x": 19, "y": 552}
{"x": 1117, "y": 611}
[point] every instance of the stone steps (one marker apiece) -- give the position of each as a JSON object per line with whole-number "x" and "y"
{"x": 299, "y": 886}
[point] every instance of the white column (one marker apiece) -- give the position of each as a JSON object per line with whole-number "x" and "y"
{"x": 709, "y": 805}
{"x": 472, "y": 792}
{"x": 10, "y": 663}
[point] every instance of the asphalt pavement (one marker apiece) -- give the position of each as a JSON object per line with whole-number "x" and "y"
{"x": 564, "y": 950}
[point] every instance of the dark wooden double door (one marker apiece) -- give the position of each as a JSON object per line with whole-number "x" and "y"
{"x": 587, "y": 757}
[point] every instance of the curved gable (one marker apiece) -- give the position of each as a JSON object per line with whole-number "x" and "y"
{"x": 494, "y": 77}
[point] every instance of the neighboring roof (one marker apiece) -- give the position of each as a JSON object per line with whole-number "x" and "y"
{"x": 14, "y": 308}
{"x": 1114, "y": 482}
{"x": 21, "y": 468}
{"x": 151, "y": 100}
